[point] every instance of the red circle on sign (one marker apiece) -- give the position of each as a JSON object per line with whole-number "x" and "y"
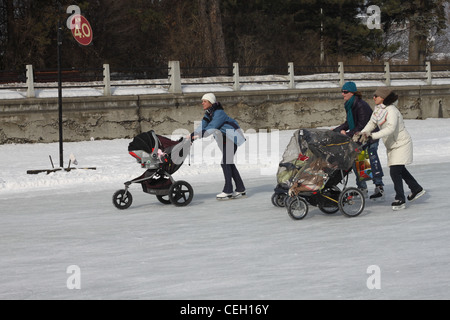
{"x": 81, "y": 30}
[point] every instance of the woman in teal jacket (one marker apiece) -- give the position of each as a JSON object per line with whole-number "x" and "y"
{"x": 229, "y": 137}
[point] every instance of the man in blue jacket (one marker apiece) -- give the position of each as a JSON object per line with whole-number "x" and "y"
{"x": 229, "y": 137}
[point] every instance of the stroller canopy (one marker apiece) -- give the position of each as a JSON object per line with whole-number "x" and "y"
{"x": 315, "y": 149}
{"x": 336, "y": 149}
{"x": 156, "y": 146}
{"x": 145, "y": 141}
{"x": 318, "y": 155}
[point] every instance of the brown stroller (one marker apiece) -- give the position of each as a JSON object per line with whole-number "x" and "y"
{"x": 316, "y": 166}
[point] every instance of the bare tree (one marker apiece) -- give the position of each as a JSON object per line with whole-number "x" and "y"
{"x": 205, "y": 31}
{"x": 212, "y": 33}
{"x": 428, "y": 16}
{"x": 417, "y": 37}
{"x": 217, "y": 37}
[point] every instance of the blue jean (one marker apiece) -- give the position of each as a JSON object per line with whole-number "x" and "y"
{"x": 377, "y": 170}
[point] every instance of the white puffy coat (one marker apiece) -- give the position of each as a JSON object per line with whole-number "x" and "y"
{"x": 396, "y": 138}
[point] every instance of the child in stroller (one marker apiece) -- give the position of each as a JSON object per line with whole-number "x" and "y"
{"x": 314, "y": 171}
{"x": 161, "y": 157}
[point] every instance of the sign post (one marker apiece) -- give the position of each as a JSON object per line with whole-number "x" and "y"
{"x": 60, "y": 119}
{"x": 82, "y": 32}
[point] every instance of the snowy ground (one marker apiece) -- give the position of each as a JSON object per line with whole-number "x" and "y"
{"x": 61, "y": 231}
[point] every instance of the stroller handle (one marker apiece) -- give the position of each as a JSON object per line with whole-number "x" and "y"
{"x": 154, "y": 153}
{"x": 365, "y": 145}
{"x": 288, "y": 165}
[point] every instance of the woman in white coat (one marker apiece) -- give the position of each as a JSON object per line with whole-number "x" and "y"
{"x": 398, "y": 144}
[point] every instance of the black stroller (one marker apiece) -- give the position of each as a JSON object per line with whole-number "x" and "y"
{"x": 314, "y": 170}
{"x": 161, "y": 157}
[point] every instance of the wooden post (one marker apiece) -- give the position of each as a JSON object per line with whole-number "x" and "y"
{"x": 387, "y": 74}
{"x": 30, "y": 82}
{"x": 429, "y": 78}
{"x": 341, "y": 74}
{"x": 175, "y": 77}
{"x": 236, "y": 85}
{"x": 291, "y": 75}
{"x": 106, "y": 80}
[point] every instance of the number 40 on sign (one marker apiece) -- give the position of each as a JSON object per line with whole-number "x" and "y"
{"x": 80, "y": 27}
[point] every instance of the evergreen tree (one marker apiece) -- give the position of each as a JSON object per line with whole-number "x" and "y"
{"x": 421, "y": 18}
{"x": 27, "y": 32}
{"x": 345, "y": 30}
{"x": 213, "y": 33}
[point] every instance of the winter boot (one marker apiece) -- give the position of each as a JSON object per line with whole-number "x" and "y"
{"x": 224, "y": 196}
{"x": 378, "y": 193}
{"x": 398, "y": 205}
{"x": 416, "y": 195}
{"x": 237, "y": 194}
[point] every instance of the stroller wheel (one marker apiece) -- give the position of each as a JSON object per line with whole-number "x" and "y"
{"x": 287, "y": 200}
{"x": 352, "y": 202}
{"x": 329, "y": 209}
{"x": 163, "y": 200}
{"x": 181, "y": 193}
{"x": 297, "y": 208}
{"x": 279, "y": 199}
{"x": 329, "y": 201}
{"x": 122, "y": 199}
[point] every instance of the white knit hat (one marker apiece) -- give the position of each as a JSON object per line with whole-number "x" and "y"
{"x": 210, "y": 97}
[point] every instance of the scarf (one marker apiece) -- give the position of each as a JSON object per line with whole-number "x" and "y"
{"x": 380, "y": 114}
{"x": 348, "y": 108}
{"x": 209, "y": 113}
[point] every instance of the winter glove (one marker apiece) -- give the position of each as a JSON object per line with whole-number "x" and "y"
{"x": 356, "y": 137}
{"x": 365, "y": 136}
{"x": 361, "y": 137}
{"x": 191, "y": 137}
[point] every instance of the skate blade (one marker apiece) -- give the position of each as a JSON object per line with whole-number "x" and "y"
{"x": 224, "y": 199}
{"x": 398, "y": 208}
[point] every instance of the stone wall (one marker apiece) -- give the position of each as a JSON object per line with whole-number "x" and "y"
{"x": 36, "y": 120}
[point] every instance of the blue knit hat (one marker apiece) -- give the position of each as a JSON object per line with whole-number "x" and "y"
{"x": 349, "y": 86}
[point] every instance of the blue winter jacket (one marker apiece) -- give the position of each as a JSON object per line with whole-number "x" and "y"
{"x": 216, "y": 119}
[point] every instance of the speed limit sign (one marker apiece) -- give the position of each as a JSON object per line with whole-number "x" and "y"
{"x": 81, "y": 30}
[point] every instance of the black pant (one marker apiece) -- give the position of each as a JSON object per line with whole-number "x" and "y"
{"x": 398, "y": 174}
{"x": 230, "y": 171}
